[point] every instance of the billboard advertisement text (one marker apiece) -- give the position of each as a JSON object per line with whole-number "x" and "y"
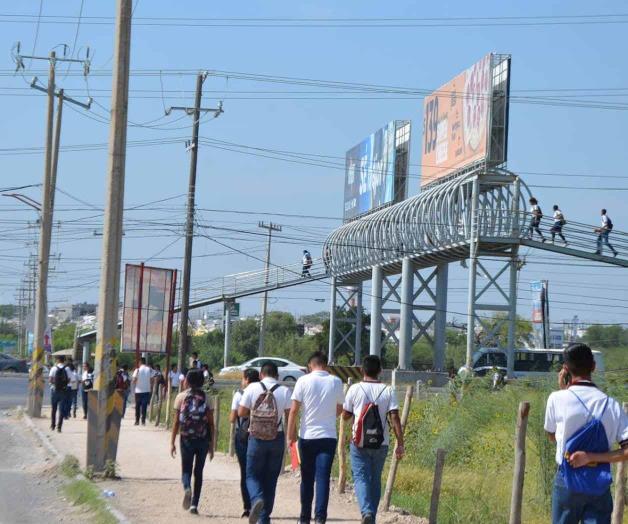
{"x": 456, "y": 122}
{"x": 372, "y": 178}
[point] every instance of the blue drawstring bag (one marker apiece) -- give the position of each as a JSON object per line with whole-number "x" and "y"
{"x": 592, "y": 479}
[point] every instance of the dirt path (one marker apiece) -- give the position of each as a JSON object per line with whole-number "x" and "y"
{"x": 150, "y": 490}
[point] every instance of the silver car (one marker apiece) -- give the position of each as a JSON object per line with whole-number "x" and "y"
{"x": 288, "y": 371}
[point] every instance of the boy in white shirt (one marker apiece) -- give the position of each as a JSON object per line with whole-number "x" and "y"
{"x": 567, "y": 412}
{"x": 367, "y": 460}
{"x": 142, "y": 382}
{"x": 320, "y": 394}
{"x": 264, "y": 457}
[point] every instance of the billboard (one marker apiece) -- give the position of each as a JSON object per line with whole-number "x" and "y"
{"x": 465, "y": 121}
{"x": 376, "y": 170}
{"x": 147, "y": 309}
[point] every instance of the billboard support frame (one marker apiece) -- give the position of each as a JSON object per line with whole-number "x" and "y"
{"x": 139, "y": 316}
{"x": 169, "y": 331}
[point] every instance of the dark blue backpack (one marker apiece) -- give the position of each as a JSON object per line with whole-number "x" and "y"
{"x": 592, "y": 479}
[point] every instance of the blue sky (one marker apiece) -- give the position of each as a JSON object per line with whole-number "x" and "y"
{"x": 543, "y": 138}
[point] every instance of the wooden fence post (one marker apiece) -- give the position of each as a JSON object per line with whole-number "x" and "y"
{"x": 394, "y": 464}
{"x": 168, "y": 405}
{"x": 232, "y": 426}
{"x": 620, "y": 500}
{"x": 342, "y": 450}
{"x": 216, "y": 420}
{"x": 151, "y": 411}
{"x": 438, "y": 480}
{"x": 520, "y": 463}
{"x": 162, "y": 392}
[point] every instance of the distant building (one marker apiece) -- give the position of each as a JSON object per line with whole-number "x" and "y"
{"x": 312, "y": 329}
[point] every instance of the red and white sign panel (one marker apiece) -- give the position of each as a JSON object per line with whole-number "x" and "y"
{"x": 455, "y": 123}
{"x": 146, "y": 315}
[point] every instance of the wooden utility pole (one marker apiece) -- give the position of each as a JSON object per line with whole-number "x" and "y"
{"x": 438, "y": 480}
{"x": 262, "y": 323}
{"x": 620, "y": 500}
{"x": 104, "y": 424}
{"x": 195, "y": 112}
{"x": 520, "y": 463}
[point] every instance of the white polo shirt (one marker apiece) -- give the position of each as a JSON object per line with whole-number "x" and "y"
{"x": 143, "y": 374}
{"x": 174, "y": 379}
{"x": 362, "y": 393}
{"x": 565, "y": 415}
{"x": 235, "y": 401}
{"x": 254, "y": 390}
{"x": 319, "y": 393}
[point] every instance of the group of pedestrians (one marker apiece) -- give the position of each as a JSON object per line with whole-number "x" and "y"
{"x": 264, "y": 412}
{"x": 536, "y": 214}
{"x": 65, "y": 381}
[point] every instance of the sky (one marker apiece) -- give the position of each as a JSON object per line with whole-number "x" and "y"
{"x": 569, "y": 149}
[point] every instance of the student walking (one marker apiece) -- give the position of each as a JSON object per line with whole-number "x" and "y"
{"x": 371, "y": 404}
{"x": 73, "y": 392}
{"x": 585, "y": 424}
{"x": 535, "y": 219}
{"x": 194, "y": 422}
{"x": 123, "y": 386}
{"x": 174, "y": 378}
{"x": 87, "y": 384}
{"x": 559, "y": 222}
{"x": 142, "y": 382}
{"x": 59, "y": 379}
{"x": 249, "y": 376}
{"x": 320, "y": 395}
{"x": 307, "y": 263}
{"x": 265, "y": 403}
{"x": 603, "y": 232}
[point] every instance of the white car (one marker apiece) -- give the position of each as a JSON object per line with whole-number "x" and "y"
{"x": 288, "y": 371}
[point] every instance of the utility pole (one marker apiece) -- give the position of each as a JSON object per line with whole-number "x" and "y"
{"x": 195, "y": 112}
{"x": 102, "y": 428}
{"x": 262, "y": 324}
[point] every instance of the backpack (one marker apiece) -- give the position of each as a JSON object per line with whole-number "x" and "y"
{"x": 539, "y": 214}
{"x": 369, "y": 430}
{"x": 308, "y": 258}
{"x": 88, "y": 383}
{"x": 61, "y": 379}
{"x": 193, "y": 415}
{"x": 121, "y": 382}
{"x": 592, "y": 479}
{"x": 609, "y": 223}
{"x": 264, "y": 415}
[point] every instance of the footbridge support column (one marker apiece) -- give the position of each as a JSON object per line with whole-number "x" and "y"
{"x": 345, "y": 322}
{"x": 332, "y": 322}
{"x": 407, "y": 314}
{"x": 377, "y": 282}
{"x": 440, "y": 317}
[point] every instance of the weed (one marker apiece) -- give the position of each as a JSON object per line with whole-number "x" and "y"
{"x": 70, "y": 466}
{"x": 110, "y": 470}
{"x": 83, "y": 492}
{"x": 89, "y": 472}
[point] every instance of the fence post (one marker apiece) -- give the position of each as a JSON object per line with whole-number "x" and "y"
{"x": 520, "y": 463}
{"x": 620, "y": 489}
{"x": 342, "y": 450}
{"x": 438, "y": 480}
{"x": 394, "y": 464}
{"x": 232, "y": 432}
{"x": 162, "y": 392}
{"x": 216, "y": 420}
{"x": 168, "y": 404}
{"x": 151, "y": 411}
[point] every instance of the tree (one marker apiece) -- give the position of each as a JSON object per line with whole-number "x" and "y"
{"x": 63, "y": 336}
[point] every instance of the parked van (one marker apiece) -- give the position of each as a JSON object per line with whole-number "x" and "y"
{"x": 528, "y": 362}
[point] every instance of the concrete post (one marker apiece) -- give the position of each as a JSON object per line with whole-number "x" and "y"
{"x": 376, "y": 311}
{"x": 225, "y": 362}
{"x": 473, "y": 270}
{"x": 440, "y": 317}
{"x": 512, "y": 316}
{"x": 407, "y": 313}
{"x": 358, "y": 326}
{"x": 332, "y": 322}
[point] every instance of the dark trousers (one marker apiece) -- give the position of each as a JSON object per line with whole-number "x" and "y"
{"x": 73, "y": 401}
{"x": 602, "y": 239}
{"x": 84, "y": 398}
{"x": 264, "y": 459}
{"x": 534, "y": 226}
{"x": 193, "y": 455}
{"x": 240, "y": 449}
{"x": 317, "y": 456}
{"x": 125, "y": 400}
{"x": 58, "y": 399}
{"x": 576, "y": 508}
{"x": 141, "y": 406}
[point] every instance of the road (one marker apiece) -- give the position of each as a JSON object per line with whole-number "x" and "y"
{"x": 14, "y": 391}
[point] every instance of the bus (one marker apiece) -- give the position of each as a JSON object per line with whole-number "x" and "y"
{"x": 528, "y": 362}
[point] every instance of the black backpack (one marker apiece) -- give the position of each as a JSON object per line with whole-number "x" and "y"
{"x": 61, "y": 380}
{"x": 609, "y": 223}
{"x": 369, "y": 431}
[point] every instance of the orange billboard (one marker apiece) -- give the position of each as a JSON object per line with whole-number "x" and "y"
{"x": 456, "y": 123}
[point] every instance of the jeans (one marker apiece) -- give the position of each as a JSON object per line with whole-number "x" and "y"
{"x": 58, "y": 399}
{"x": 141, "y": 405}
{"x": 240, "y": 449}
{"x": 317, "y": 456}
{"x": 602, "y": 238}
{"x": 367, "y": 466}
{"x": 576, "y": 508}
{"x": 534, "y": 226}
{"x": 84, "y": 397}
{"x": 264, "y": 459}
{"x": 193, "y": 455}
{"x": 73, "y": 401}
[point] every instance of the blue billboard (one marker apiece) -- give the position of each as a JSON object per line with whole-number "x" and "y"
{"x": 373, "y": 176}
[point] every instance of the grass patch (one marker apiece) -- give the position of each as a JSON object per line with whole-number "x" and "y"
{"x": 82, "y": 492}
{"x": 70, "y": 466}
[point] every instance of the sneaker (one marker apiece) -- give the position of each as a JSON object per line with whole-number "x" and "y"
{"x": 256, "y": 509}
{"x": 143, "y": 422}
{"x": 53, "y": 427}
{"x": 193, "y": 510}
{"x": 136, "y": 423}
{"x": 598, "y": 253}
{"x": 187, "y": 498}
{"x": 59, "y": 429}
{"x": 245, "y": 513}
{"x": 84, "y": 417}
{"x": 615, "y": 253}
{"x": 368, "y": 519}
{"x": 542, "y": 242}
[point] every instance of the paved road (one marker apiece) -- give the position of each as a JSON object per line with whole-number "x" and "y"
{"x": 29, "y": 486}
{"x": 14, "y": 391}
